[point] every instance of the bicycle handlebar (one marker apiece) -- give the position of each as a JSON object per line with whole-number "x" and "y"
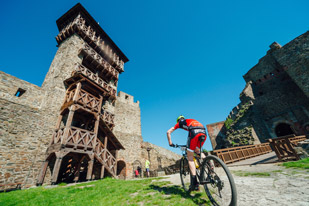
{"x": 177, "y": 146}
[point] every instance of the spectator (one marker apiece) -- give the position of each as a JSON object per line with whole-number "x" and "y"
{"x": 147, "y": 163}
{"x": 136, "y": 173}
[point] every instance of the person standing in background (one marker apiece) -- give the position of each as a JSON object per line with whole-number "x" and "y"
{"x": 147, "y": 163}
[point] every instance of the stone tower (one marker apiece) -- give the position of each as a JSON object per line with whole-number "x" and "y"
{"x": 86, "y": 68}
{"x": 72, "y": 127}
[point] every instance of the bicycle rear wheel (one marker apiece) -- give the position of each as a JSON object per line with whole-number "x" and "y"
{"x": 185, "y": 173}
{"x": 219, "y": 183}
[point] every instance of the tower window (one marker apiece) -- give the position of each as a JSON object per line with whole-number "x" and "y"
{"x": 20, "y": 92}
{"x": 127, "y": 97}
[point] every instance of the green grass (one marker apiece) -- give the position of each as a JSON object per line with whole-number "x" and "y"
{"x": 245, "y": 174}
{"x": 301, "y": 164}
{"x": 106, "y": 192}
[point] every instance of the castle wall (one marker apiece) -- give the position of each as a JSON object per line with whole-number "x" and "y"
{"x": 128, "y": 131}
{"x": 29, "y": 113}
{"x": 295, "y": 55}
{"x": 28, "y": 121}
{"x": 22, "y": 143}
{"x": 216, "y": 133}
{"x": 277, "y": 90}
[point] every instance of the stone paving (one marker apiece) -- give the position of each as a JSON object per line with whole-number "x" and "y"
{"x": 282, "y": 187}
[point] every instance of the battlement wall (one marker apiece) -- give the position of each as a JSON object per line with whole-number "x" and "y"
{"x": 19, "y": 91}
{"x": 126, "y": 98}
{"x": 127, "y": 115}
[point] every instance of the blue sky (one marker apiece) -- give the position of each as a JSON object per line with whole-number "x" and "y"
{"x": 186, "y": 57}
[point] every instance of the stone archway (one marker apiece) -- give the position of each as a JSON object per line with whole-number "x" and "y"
{"x": 137, "y": 165}
{"x": 121, "y": 169}
{"x": 283, "y": 129}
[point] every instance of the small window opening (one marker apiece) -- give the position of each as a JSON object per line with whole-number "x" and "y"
{"x": 127, "y": 97}
{"x": 19, "y": 92}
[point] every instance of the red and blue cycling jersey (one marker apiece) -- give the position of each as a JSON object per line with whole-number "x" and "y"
{"x": 196, "y": 129}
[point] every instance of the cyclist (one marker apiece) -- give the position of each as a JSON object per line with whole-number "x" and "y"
{"x": 197, "y": 132}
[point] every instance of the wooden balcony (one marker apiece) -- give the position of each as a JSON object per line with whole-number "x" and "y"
{"x": 74, "y": 137}
{"x": 81, "y": 140}
{"x": 83, "y": 98}
{"x": 80, "y": 69}
{"x": 78, "y": 25}
{"x": 97, "y": 61}
{"x": 108, "y": 118}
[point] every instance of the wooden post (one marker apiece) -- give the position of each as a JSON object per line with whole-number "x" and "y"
{"x": 96, "y": 130}
{"x": 59, "y": 121}
{"x": 116, "y": 154}
{"x": 102, "y": 171}
{"x": 56, "y": 167}
{"x": 78, "y": 88}
{"x": 100, "y": 107}
{"x": 68, "y": 123}
{"x": 105, "y": 148}
{"x": 90, "y": 167}
{"x": 42, "y": 173}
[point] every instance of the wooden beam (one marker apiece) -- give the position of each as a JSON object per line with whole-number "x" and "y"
{"x": 42, "y": 173}
{"x": 56, "y": 167}
{"x": 90, "y": 167}
{"x": 102, "y": 171}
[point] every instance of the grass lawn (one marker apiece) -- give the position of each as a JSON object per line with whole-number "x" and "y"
{"x": 301, "y": 164}
{"x": 246, "y": 174}
{"x": 107, "y": 192}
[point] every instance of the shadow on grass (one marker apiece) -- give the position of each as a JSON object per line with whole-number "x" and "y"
{"x": 177, "y": 190}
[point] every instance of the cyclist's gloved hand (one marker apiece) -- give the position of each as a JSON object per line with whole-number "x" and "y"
{"x": 172, "y": 145}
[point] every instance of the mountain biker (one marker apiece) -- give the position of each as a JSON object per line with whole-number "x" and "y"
{"x": 196, "y": 130}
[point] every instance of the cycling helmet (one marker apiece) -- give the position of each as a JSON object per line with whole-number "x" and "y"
{"x": 180, "y": 117}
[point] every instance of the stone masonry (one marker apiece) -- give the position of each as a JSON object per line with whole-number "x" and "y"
{"x": 275, "y": 100}
{"x": 29, "y": 113}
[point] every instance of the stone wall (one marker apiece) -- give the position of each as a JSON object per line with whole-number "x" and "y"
{"x": 128, "y": 131}
{"x": 28, "y": 121}
{"x": 23, "y": 141}
{"x": 277, "y": 90}
{"x": 216, "y": 132}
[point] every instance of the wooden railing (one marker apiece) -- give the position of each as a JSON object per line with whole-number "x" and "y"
{"x": 99, "y": 150}
{"x": 110, "y": 161}
{"x": 79, "y": 138}
{"x": 108, "y": 118}
{"x": 74, "y": 137}
{"x": 88, "y": 100}
{"x": 284, "y": 147}
{"x": 235, "y": 154}
{"x": 93, "y": 77}
{"x": 83, "y": 98}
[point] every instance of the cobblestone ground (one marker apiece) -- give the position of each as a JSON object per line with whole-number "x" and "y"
{"x": 282, "y": 187}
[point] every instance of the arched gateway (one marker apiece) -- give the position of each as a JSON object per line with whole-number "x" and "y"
{"x": 283, "y": 129}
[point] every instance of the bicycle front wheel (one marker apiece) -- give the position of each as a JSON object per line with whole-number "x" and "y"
{"x": 219, "y": 183}
{"x": 185, "y": 173}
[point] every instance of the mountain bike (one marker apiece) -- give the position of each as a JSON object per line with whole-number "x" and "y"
{"x": 213, "y": 174}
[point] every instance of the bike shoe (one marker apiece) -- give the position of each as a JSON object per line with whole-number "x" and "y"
{"x": 194, "y": 187}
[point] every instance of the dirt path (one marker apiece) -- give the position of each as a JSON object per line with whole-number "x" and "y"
{"x": 282, "y": 187}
